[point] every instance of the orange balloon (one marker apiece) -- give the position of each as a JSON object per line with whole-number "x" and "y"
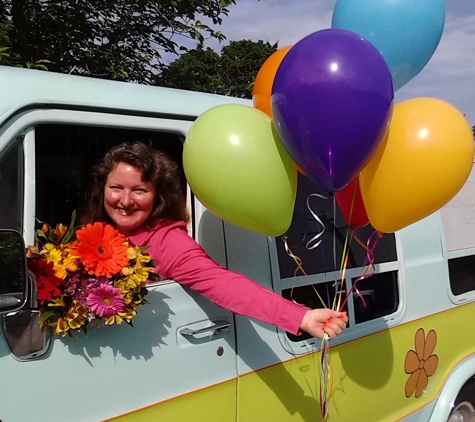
{"x": 265, "y": 79}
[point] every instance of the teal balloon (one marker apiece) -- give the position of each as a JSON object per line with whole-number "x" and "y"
{"x": 406, "y": 32}
{"x": 238, "y": 168}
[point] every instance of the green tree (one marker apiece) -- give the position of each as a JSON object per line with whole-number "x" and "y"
{"x": 232, "y": 72}
{"x": 118, "y": 39}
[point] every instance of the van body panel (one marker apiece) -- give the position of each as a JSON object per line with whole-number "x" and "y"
{"x": 215, "y": 403}
{"x": 118, "y": 369}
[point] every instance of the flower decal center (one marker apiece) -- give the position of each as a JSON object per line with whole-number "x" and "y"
{"x": 421, "y": 363}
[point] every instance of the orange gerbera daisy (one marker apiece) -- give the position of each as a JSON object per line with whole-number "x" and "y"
{"x": 102, "y": 249}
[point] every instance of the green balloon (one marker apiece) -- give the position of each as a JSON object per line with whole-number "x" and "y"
{"x": 238, "y": 168}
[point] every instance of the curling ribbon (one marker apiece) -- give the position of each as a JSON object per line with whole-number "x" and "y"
{"x": 319, "y": 234}
{"x": 299, "y": 263}
{"x": 370, "y": 264}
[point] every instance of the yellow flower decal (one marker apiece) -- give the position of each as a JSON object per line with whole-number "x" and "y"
{"x": 421, "y": 363}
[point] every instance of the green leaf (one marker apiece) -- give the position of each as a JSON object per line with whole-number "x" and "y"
{"x": 40, "y": 233}
{"x": 143, "y": 249}
{"x": 70, "y": 232}
{"x": 51, "y": 236}
{"x": 45, "y": 315}
{"x": 4, "y": 48}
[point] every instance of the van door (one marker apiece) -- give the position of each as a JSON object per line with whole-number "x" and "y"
{"x": 154, "y": 371}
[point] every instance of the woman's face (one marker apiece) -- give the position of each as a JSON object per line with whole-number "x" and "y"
{"x": 127, "y": 198}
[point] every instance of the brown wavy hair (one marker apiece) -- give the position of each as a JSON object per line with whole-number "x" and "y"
{"x": 157, "y": 168}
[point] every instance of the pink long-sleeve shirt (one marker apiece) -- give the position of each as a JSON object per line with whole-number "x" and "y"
{"x": 177, "y": 256}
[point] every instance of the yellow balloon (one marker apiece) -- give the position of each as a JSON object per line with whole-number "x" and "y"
{"x": 424, "y": 161}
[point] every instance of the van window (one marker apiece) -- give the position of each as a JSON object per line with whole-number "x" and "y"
{"x": 378, "y": 296}
{"x": 462, "y": 274}
{"x": 321, "y": 260}
{"x": 310, "y": 296}
{"x": 379, "y": 291}
{"x": 66, "y": 154}
{"x": 11, "y": 186}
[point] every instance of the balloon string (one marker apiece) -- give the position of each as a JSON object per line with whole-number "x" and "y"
{"x": 298, "y": 261}
{"x": 370, "y": 264}
{"x": 325, "y": 377}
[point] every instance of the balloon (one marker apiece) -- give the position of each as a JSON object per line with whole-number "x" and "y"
{"x": 332, "y": 102}
{"x": 264, "y": 80}
{"x": 351, "y": 204}
{"x": 238, "y": 168}
{"x": 262, "y": 91}
{"x": 406, "y": 32}
{"x": 424, "y": 161}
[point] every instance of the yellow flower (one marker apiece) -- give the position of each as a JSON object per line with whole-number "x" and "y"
{"x": 143, "y": 259}
{"x": 114, "y": 319}
{"x": 129, "y": 312}
{"x": 131, "y": 253}
{"x": 60, "y": 271}
{"x": 70, "y": 263}
{"x": 61, "y": 326}
{"x": 53, "y": 254}
{"x": 77, "y": 315}
{"x": 56, "y": 302}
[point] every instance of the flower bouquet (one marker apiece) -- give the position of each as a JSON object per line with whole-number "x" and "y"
{"x": 87, "y": 275}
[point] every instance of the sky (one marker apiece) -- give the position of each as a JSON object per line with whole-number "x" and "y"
{"x": 449, "y": 75}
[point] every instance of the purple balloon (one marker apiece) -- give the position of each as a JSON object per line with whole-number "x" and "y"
{"x": 332, "y": 103}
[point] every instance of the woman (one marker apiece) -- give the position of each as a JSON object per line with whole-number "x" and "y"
{"x": 137, "y": 189}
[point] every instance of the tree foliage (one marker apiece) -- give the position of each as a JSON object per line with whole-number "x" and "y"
{"x": 111, "y": 39}
{"x": 232, "y": 72}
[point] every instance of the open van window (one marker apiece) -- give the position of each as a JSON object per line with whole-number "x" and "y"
{"x": 66, "y": 155}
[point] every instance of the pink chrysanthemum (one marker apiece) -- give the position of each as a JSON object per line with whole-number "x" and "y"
{"x": 105, "y": 300}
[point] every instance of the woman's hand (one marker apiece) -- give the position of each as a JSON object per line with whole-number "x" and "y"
{"x": 317, "y": 322}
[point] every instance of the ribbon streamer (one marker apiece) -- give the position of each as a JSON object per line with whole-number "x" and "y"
{"x": 299, "y": 263}
{"x": 319, "y": 234}
{"x": 325, "y": 377}
{"x": 370, "y": 265}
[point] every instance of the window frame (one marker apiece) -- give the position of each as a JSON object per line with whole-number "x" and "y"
{"x": 25, "y": 123}
{"x": 449, "y": 255}
{"x": 354, "y": 330}
{"x": 21, "y": 171}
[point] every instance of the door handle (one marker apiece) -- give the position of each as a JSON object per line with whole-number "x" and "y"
{"x": 219, "y": 326}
